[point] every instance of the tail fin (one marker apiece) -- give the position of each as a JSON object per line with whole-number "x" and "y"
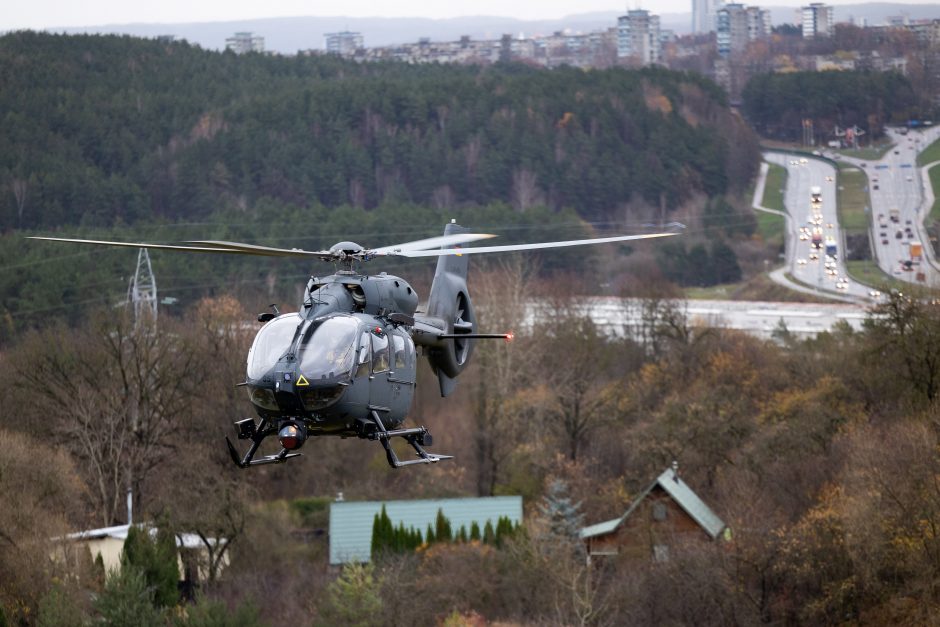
{"x": 450, "y": 311}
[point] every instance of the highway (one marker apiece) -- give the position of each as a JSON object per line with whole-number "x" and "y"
{"x": 896, "y": 189}
{"x": 804, "y": 261}
{"x": 623, "y": 317}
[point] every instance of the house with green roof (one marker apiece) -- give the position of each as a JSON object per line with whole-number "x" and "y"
{"x": 667, "y": 513}
{"x": 351, "y": 521}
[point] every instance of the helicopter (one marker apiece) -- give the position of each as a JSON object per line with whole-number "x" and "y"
{"x": 345, "y": 364}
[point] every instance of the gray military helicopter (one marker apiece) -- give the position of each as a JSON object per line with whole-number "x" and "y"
{"x": 345, "y": 364}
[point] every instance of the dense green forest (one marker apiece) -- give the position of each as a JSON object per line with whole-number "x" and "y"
{"x": 777, "y": 104}
{"x": 109, "y": 130}
{"x": 111, "y": 137}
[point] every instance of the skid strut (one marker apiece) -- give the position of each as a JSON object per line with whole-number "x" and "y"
{"x": 248, "y": 431}
{"x": 417, "y": 437}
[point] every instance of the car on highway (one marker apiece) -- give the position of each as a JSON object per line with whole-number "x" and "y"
{"x": 829, "y": 178}
{"x": 910, "y": 179}
{"x": 885, "y": 241}
{"x": 801, "y": 262}
{"x": 899, "y": 234}
{"x": 875, "y": 186}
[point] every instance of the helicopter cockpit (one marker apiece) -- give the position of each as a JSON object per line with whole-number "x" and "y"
{"x": 298, "y": 366}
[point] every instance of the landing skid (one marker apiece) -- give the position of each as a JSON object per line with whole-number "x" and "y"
{"x": 417, "y": 437}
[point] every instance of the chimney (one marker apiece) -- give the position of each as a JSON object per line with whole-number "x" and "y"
{"x": 675, "y": 471}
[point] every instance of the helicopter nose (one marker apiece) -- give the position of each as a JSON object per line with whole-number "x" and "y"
{"x": 292, "y": 436}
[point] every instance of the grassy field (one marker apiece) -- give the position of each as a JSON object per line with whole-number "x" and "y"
{"x": 872, "y": 153}
{"x": 776, "y": 184}
{"x": 853, "y": 200}
{"x": 869, "y": 273}
{"x": 931, "y": 154}
{"x": 771, "y": 227}
{"x": 759, "y": 287}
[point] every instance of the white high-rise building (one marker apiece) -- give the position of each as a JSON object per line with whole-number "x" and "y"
{"x": 344, "y": 43}
{"x": 736, "y": 25}
{"x": 638, "y": 37}
{"x": 817, "y": 20}
{"x": 240, "y": 43}
{"x": 704, "y": 13}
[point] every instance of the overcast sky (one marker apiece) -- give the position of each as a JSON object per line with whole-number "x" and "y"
{"x": 39, "y": 14}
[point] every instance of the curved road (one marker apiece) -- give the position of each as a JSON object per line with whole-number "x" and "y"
{"x": 809, "y": 265}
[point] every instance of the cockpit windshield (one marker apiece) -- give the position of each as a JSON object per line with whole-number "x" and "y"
{"x": 331, "y": 349}
{"x": 272, "y": 341}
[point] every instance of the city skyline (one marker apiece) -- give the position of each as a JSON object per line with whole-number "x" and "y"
{"x": 51, "y": 14}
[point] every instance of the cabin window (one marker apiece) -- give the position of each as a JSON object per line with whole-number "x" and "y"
{"x": 660, "y": 553}
{"x": 659, "y": 511}
{"x": 404, "y": 352}
{"x": 379, "y": 353}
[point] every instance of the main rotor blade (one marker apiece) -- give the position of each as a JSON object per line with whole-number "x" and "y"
{"x": 513, "y": 247}
{"x": 94, "y": 242}
{"x": 230, "y": 248}
{"x": 432, "y": 242}
{"x": 266, "y": 251}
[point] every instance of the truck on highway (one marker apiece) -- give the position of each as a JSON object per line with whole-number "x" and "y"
{"x": 917, "y": 251}
{"x": 894, "y": 215}
{"x": 831, "y": 247}
{"x": 815, "y": 194}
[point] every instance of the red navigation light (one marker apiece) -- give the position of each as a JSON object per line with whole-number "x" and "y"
{"x": 510, "y": 336}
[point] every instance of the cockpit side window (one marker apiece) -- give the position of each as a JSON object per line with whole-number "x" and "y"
{"x": 379, "y": 353}
{"x": 365, "y": 355}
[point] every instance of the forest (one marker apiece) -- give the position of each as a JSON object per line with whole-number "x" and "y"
{"x": 118, "y": 138}
{"x": 776, "y": 104}
{"x": 820, "y": 454}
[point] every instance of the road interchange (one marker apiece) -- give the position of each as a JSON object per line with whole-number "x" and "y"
{"x": 898, "y": 207}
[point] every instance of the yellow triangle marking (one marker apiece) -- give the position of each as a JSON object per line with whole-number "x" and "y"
{"x": 301, "y": 381}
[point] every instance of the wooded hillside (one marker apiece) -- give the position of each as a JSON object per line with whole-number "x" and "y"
{"x": 106, "y": 130}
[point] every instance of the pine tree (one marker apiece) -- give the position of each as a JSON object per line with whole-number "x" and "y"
{"x": 462, "y": 534}
{"x": 156, "y": 559}
{"x": 563, "y": 516}
{"x": 489, "y": 534}
{"x": 442, "y": 531}
{"x": 353, "y": 598}
{"x": 429, "y": 536}
{"x": 475, "y": 531}
{"x": 127, "y": 599}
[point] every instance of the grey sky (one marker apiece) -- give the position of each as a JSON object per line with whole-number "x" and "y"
{"x": 39, "y": 14}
